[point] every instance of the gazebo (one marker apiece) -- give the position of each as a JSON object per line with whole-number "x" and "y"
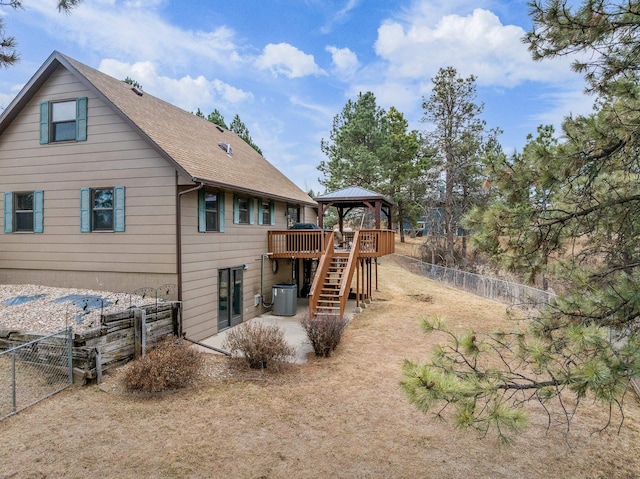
{"x": 346, "y": 199}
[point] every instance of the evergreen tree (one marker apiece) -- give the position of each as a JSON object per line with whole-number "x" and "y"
{"x": 240, "y": 129}
{"x": 132, "y": 82}
{"x": 216, "y": 118}
{"x": 458, "y": 137}
{"x": 576, "y": 202}
{"x": 403, "y": 177}
{"x": 358, "y": 146}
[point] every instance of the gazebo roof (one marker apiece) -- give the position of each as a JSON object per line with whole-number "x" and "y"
{"x": 353, "y": 196}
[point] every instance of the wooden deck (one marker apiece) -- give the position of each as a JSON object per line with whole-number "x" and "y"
{"x": 337, "y": 264}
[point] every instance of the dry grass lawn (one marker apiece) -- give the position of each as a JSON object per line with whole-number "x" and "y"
{"x": 341, "y": 417}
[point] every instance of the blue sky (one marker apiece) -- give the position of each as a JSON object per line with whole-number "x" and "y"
{"x": 287, "y": 67}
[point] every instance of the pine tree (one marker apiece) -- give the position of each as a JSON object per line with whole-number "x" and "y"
{"x": 569, "y": 209}
{"x": 358, "y": 146}
{"x": 216, "y": 118}
{"x": 240, "y": 129}
{"x": 458, "y": 136}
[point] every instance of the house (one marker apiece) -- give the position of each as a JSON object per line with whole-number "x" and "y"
{"x": 107, "y": 187}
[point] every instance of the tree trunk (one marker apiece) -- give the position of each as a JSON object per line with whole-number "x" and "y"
{"x": 448, "y": 213}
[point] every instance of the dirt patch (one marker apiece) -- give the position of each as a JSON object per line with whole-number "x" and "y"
{"x": 340, "y": 417}
{"x": 425, "y": 298}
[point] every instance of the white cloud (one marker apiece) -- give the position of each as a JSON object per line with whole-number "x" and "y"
{"x": 135, "y": 30}
{"x": 345, "y": 62}
{"x": 341, "y": 16}
{"x": 285, "y": 59}
{"x": 477, "y": 44}
{"x": 186, "y": 92}
{"x": 562, "y": 104}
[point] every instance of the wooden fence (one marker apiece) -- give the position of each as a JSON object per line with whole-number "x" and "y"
{"x": 119, "y": 338}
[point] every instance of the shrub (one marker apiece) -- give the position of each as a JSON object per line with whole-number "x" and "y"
{"x": 259, "y": 344}
{"x": 324, "y": 332}
{"x": 171, "y": 364}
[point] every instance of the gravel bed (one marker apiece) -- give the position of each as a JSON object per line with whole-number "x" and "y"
{"x": 48, "y": 313}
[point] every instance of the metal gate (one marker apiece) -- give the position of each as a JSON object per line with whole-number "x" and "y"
{"x": 35, "y": 371}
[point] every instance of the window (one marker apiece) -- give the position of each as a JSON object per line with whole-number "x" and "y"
{"x": 266, "y": 213}
{"x": 293, "y": 215}
{"x": 210, "y": 211}
{"x": 63, "y": 120}
{"x": 23, "y": 211}
{"x": 102, "y": 209}
{"x": 243, "y": 210}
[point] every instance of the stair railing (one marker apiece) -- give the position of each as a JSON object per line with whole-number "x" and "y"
{"x": 321, "y": 273}
{"x": 345, "y": 286}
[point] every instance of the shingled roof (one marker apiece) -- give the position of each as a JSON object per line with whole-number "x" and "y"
{"x": 191, "y": 143}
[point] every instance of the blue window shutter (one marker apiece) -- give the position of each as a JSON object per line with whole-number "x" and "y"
{"x": 202, "y": 217}
{"x": 260, "y": 216}
{"x": 85, "y": 210}
{"x": 8, "y": 212}
{"x": 38, "y": 211}
{"x": 81, "y": 119}
{"x": 252, "y": 211}
{"x": 272, "y": 212}
{"x": 221, "y": 210}
{"x": 236, "y": 209}
{"x": 118, "y": 208}
{"x": 44, "y": 122}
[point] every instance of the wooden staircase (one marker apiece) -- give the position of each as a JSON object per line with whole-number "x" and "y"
{"x": 329, "y": 297}
{"x": 333, "y": 277}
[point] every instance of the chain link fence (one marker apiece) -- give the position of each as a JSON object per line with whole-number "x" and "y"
{"x": 35, "y": 371}
{"x": 515, "y": 294}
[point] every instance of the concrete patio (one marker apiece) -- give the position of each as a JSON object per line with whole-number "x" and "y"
{"x": 293, "y": 331}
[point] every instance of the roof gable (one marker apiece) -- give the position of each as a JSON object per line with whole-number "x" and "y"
{"x": 190, "y": 143}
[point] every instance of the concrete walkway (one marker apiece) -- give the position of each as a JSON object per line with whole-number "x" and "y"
{"x": 293, "y": 331}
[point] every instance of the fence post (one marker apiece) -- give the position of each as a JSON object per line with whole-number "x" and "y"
{"x": 70, "y": 352}
{"x": 140, "y": 330}
{"x": 13, "y": 373}
{"x": 137, "y": 333}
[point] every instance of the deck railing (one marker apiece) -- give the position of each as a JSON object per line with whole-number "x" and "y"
{"x": 298, "y": 243}
{"x": 312, "y": 243}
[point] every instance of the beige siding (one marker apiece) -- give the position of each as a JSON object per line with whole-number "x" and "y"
{"x": 145, "y": 255}
{"x": 203, "y": 254}
{"x": 113, "y": 155}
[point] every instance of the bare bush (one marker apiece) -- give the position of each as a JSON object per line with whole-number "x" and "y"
{"x": 324, "y": 332}
{"x": 259, "y": 345}
{"x": 172, "y": 364}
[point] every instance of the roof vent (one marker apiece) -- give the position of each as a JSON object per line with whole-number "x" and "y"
{"x": 220, "y": 129}
{"x": 137, "y": 91}
{"x": 226, "y": 147}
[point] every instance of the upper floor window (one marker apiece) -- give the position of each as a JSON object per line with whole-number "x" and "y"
{"x": 102, "y": 209}
{"x": 23, "y": 211}
{"x": 210, "y": 211}
{"x": 63, "y": 120}
{"x": 266, "y": 214}
{"x": 243, "y": 210}
{"x": 293, "y": 215}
